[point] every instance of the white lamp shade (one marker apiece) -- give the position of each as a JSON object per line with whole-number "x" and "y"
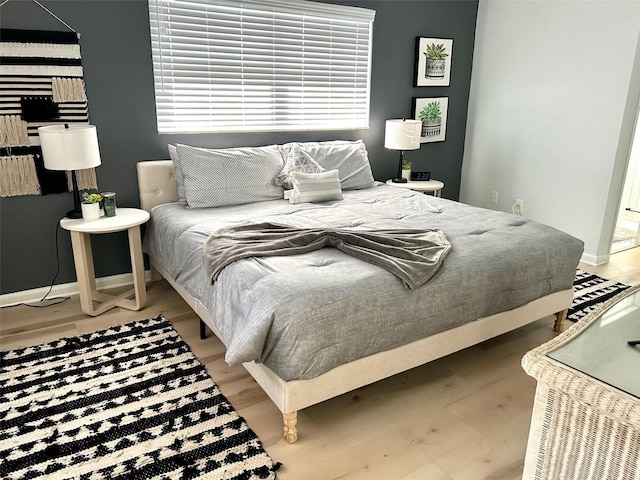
{"x": 402, "y": 134}
{"x": 72, "y": 148}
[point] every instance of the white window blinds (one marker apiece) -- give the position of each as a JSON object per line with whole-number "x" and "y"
{"x": 260, "y": 65}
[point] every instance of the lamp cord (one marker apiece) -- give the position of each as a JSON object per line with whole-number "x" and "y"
{"x": 60, "y": 299}
{"x": 57, "y": 270}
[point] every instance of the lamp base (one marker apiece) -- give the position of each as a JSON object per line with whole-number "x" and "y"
{"x": 77, "y": 211}
{"x": 399, "y": 180}
{"x": 74, "y": 214}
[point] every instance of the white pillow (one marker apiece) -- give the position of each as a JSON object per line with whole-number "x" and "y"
{"x": 348, "y": 157}
{"x": 315, "y": 187}
{"x": 297, "y": 160}
{"x": 173, "y": 155}
{"x": 229, "y": 176}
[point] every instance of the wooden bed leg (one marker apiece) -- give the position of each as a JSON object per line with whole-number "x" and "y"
{"x": 203, "y": 330}
{"x": 558, "y": 326}
{"x": 290, "y": 431}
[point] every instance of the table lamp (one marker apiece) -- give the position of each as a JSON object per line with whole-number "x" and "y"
{"x": 71, "y": 148}
{"x": 402, "y": 135}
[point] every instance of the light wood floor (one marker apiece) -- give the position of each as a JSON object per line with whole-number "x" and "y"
{"x": 465, "y": 416}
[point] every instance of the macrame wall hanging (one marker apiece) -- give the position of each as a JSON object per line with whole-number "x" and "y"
{"x": 41, "y": 83}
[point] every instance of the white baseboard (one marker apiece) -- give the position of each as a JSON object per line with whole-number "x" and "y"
{"x": 594, "y": 260}
{"x": 66, "y": 289}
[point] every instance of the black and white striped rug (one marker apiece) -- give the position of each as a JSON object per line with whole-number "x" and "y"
{"x": 131, "y": 402}
{"x": 589, "y": 292}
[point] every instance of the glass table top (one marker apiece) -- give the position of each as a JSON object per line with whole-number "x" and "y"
{"x": 601, "y": 350}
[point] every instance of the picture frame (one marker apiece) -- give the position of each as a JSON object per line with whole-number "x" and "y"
{"x": 433, "y": 62}
{"x": 432, "y": 112}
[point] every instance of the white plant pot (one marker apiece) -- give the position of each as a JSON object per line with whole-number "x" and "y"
{"x": 435, "y": 68}
{"x": 406, "y": 174}
{"x": 431, "y": 128}
{"x": 90, "y": 211}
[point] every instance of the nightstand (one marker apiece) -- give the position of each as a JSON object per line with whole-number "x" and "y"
{"x": 428, "y": 186}
{"x": 128, "y": 219}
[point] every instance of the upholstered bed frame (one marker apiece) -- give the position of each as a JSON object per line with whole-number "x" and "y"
{"x": 157, "y": 185}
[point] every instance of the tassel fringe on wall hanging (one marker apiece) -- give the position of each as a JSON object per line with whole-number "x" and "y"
{"x": 41, "y": 83}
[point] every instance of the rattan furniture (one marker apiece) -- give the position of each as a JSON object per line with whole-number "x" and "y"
{"x": 586, "y": 416}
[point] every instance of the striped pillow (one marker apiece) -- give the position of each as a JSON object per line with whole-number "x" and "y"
{"x": 229, "y": 176}
{"x": 315, "y": 187}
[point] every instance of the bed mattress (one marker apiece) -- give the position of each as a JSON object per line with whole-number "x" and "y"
{"x": 303, "y": 315}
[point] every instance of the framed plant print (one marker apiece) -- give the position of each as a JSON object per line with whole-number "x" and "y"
{"x": 433, "y": 61}
{"x": 432, "y": 112}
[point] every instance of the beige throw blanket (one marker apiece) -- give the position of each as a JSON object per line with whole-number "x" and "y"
{"x": 412, "y": 255}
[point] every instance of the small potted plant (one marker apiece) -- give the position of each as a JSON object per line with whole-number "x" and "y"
{"x": 435, "y": 63}
{"x": 431, "y": 117}
{"x": 406, "y": 170}
{"x": 91, "y": 205}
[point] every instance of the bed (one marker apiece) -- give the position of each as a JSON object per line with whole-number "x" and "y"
{"x": 313, "y": 326}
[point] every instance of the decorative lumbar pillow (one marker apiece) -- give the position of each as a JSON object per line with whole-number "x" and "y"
{"x": 315, "y": 187}
{"x": 229, "y": 176}
{"x": 348, "y": 157}
{"x": 173, "y": 155}
{"x": 297, "y": 161}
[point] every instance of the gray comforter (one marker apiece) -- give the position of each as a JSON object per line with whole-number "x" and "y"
{"x": 302, "y": 315}
{"x": 411, "y": 255}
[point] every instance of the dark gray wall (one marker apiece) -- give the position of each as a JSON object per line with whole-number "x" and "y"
{"x": 116, "y": 55}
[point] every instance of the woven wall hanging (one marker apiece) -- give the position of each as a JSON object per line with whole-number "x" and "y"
{"x": 41, "y": 83}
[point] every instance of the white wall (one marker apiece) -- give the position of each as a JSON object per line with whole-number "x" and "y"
{"x": 554, "y": 94}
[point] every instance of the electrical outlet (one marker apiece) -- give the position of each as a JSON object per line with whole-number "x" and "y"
{"x": 518, "y": 207}
{"x": 494, "y": 197}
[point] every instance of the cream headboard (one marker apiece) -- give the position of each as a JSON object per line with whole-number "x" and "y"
{"x": 156, "y": 183}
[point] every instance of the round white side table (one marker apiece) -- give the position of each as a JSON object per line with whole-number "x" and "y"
{"x": 128, "y": 219}
{"x": 426, "y": 186}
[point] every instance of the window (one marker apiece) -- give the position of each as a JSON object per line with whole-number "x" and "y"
{"x": 266, "y": 65}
